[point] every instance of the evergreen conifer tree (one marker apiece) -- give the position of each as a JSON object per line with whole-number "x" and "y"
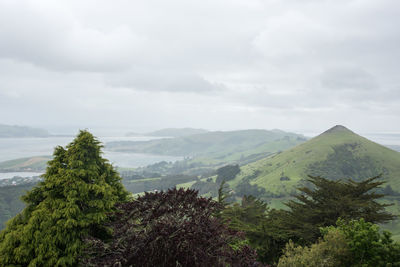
{"x": 328, "y": 201}
{"x": 78, "y": 189}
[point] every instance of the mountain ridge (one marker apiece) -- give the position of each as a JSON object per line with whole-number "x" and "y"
{"x": 9, "y": 131}
{"x": 170, "y": 132}
{"x": 213, "y": 144}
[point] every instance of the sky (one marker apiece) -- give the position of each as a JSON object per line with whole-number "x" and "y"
{"x": 298, "y": 65}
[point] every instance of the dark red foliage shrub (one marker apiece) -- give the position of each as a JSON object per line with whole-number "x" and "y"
{"x": 172, "y": 228}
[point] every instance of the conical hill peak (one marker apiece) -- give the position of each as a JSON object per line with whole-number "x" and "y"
{"x": 338, "y": 129}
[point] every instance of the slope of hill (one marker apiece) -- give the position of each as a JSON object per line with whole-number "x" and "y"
{"x": 10, "y": 203}
{"x": 37, "y": 163}
{"x": 171, "y": 132}
{"x": 21, "y": 131}
{"x": 215, "y": 145}
{"x": 335, "y": 154}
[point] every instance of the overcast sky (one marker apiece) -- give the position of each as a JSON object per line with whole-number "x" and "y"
{"x": 300, "y": 65}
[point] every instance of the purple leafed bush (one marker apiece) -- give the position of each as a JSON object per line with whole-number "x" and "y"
{"x": 172, "y": 228}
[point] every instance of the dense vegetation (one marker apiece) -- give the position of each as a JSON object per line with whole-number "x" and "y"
{"x": 268, "y": 231}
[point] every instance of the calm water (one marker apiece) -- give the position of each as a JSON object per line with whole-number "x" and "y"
{"x": 13, "y": 148}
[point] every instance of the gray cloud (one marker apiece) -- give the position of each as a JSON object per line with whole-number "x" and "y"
{"x": 162, "y": 80}
{"x": 211, "y": 64}
{"x": 49, "y": 35}
{"x": 348, "y": 80}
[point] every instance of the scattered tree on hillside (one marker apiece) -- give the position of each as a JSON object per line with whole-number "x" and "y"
{"x": 173, "y": 228}
{"x": 227, "y": 173}
{"x": 205, "y": 187}
{"x": 78, "y": 189}
{"x": 244, "y": 188}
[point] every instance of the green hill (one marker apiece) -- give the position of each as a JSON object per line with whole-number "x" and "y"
{"x": 171, "y": 132}
{"x": 37, "y": 163}
{"x": 21, "y": 131}
{"x": 217, "y": 146}
{"x": 335, "y": 154}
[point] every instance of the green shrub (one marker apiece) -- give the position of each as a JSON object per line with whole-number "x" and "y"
{"x": 330, "y": 251}
{"x": 355, "y": 243}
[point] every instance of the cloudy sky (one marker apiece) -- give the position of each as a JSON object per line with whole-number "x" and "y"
{"x": 301, "y": 65}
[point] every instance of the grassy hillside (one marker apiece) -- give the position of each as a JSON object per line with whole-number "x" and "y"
{"x": 337, "y": 153}
{"x": 214, "y": 146}
{"x": 37, "y": 163}
{"x": 21, "y": 131}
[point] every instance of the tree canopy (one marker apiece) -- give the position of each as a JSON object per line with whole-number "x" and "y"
{"x": 78, "y": 189}
{"x": 227, "y": 173}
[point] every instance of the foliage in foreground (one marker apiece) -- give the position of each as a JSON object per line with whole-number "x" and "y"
{"x": 268, "y": 231}
{"x": 250, "y": 217}
{"x": 327, "y": 201}
{"x": 79, "y": 188}
{"x": 172, "y": 228}
{"x": 330, "y": 251}
{"x": 355, "y": 243}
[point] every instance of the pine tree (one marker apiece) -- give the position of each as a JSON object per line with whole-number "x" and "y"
{"x": 328, "y": 201}
{"x": 78, "y": 190}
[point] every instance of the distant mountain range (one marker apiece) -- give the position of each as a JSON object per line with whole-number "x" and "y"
{"x": 224, "y": 146}
{"x": 21, "y": 131}
{"x": 170, "y": 132}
